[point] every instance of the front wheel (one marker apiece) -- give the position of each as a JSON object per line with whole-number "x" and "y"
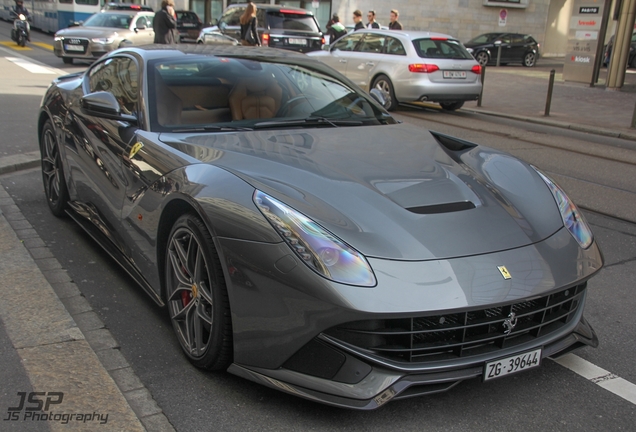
{"x": 482, "y": 58}
{"x": 21, "y": 40}
{"x": 451, "y": 106}
{"x": 529, "y": 59}
{"x": 383, "y": 83}
{"x": 197, "y": 296}
{"x": 52, "y": 171}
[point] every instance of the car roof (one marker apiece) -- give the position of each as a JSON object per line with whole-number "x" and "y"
{"x": 274, "y": 8}
{"x": 409, "y": 34}
{"x": 157, "y": 51}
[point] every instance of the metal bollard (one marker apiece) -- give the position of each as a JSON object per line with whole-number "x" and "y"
{"x": 498, "y": 55}
{"x": 548, "y": 100}
{"x": 633, "y": 125}
{"x": 481, "y": 92}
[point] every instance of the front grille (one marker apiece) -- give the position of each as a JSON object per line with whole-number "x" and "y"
{"x": 75, "y": 45}
{"x": 462, "y": 334}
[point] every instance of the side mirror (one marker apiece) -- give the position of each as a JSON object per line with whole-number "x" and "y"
{"x": 379, "y": 97}
{"x": 326, "y": 47}
{"x": 497, "y": 42}
{"x": 103, "y": 104}
{"x": 214, "y": 22}
{"x": 75, "y": 24}
{"x": 222, "y": 25}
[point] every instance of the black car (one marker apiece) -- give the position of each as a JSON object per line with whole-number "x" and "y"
{"x": 278, "y": 26}
{"x": 189, "y": 24}
{"x": 607, "y": 52}
{"x": 126, "y": 6}
{"x": 515, "y": 48}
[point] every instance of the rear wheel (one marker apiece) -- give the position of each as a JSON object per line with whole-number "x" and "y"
{"x": 67, "y": 60}
{"x": 197, "y": 296}
{"x": 451, "y": 106}
{"x": 529, "y": 59}
{"x": 482, "y": 58}
{"x": 52, "y": 171}
{"x": 383, "y": 83}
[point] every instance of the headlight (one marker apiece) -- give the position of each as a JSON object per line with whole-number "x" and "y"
{"x": 58, "y": 38}
{"x": 104, "y": 41}
{"x": 322, "y": 251}
{"x": 22, "y": 17}
{"x": 572, "y": 217}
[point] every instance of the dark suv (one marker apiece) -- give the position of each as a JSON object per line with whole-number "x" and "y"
{"x": 515, "y": 48}
{"x": 188, "y": 24}
{"x": 278, "y": 26}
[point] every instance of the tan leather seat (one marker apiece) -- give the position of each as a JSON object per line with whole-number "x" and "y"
{"x": 169, "y": 105}
{"x": 255, "y": 98}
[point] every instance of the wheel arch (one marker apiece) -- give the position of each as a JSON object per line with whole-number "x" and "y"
{"x": 42, "y": 119}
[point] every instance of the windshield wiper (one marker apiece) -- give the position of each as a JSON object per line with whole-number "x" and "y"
{"x": 213, "y": 129}
{"x": 309, "y": 121}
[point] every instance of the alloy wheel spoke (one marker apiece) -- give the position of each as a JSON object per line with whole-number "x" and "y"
{"x": 182, "y": 315}
{"x": 177, "y": 267}
{"x": 202, "y": 313}
{"x": 181, "y": 252}
{"x": 197, "y": 326}
{"x": 205, "y": 292}
{"x": 176, "y": 294}
{"x": 198, "y": 275}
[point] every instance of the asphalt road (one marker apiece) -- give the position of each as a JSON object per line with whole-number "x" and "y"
{"x": 595, "y": 170}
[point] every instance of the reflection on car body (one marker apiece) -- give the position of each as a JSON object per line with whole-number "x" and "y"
{"x": 301, "y": 238}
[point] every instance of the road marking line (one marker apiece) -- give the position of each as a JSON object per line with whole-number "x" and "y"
{"x": 15, "y": 46}
{"x": 31, "y": 67}
{"x": 601, "y": 377}
{"x": 44, "y": 45}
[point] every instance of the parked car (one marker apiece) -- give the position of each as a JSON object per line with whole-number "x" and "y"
{"x": 302, "y": 238}
{"x": 407, "y": 66}
{"x": 212, "y": 36}
{"x": 126, "y": 6}
{"x": 515, "y": 48}
{"x": 189, "y": 24}
{"x": 607, "y": 52}
{"x": 103, "y": 32}
{"x": 281, "y": 27}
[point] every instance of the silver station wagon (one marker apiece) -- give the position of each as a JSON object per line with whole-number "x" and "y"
{"x": 407, "y": 66}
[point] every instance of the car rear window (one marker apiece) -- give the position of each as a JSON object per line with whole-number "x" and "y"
{"x": 292, "y": 21}
{"x": 441, "y": 48}
{"x": 114, "y": 20}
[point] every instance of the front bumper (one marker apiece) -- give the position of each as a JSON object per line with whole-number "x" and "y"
{"x": 90, "y": 50}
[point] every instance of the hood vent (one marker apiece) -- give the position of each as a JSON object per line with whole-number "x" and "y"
{"x": 452, "y": 143}
{"x": 443, "y": 208}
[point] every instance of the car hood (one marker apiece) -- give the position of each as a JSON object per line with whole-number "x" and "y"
{"x": 92, "y": 32}
{"x": 391, "y": 191}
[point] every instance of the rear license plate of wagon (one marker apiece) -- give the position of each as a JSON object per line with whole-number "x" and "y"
{"x": 454, "y": 74}
{"x": 512, "y": 364}
{"x": 293, "y": 41}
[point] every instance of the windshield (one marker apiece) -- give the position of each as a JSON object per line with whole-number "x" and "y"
{"x": 291, "y": 21}
{"x": 485, "y": 38}
{"x": 113, "y": 20}
{"x": 223, "y": 93}
{"x": 441, "y": 48}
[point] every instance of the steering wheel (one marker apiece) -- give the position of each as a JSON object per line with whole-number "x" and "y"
{"x": 354, "y": 107}
{"x": 293, "y": 103}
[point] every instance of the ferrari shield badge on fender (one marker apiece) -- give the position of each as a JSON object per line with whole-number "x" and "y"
{"x": 135, "y": 149}
{"x": 504, "y": 272}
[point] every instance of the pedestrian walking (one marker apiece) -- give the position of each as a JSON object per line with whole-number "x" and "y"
{"x": 357, "y": 19}
{"x": 372, "y": 24}
{"x": 165, "y": 24}
{"x": 336, "y": 29}
{"x": 394, "y": 24}
{"x": 249, "y": 25}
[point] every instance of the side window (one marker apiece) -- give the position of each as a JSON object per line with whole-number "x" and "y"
{"x": 505, "y": 39}
{"x": 394, "y": 46}
{"x": 234, "y": 19}
{"x": 347, "y": 43}
{"x": 141, "y": 21}
{"x": 372, "y": 43}
{"x": 517, "y": 39}
{"x": 118, "y": 76}
{"x": 529, "y": 39}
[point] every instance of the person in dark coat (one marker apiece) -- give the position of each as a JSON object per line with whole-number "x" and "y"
{"x": 357, "y": 18}
{"x": 394, "y": 24}
{"x": 372, "y": 24}
{"x": 165, "y": 24}
{"x": 249, "y": 26}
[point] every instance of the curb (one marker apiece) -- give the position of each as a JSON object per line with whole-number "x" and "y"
{"x": 67, "y": 347}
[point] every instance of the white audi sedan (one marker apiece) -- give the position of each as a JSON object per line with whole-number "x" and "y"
{"x": 407, "y": 66}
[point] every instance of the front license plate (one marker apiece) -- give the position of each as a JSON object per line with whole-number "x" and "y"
{"x": 74, "y": 48}
{"x": 293, "y": 41}
{"x": 513, "y": 364}
{"x": 454, "y": 74}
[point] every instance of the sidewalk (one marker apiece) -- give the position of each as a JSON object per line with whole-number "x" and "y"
{"x": 514, "y": 91}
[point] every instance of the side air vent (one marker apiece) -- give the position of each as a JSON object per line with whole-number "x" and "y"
{"x": 452, "y": 143}
{"x": 443, "y": 208}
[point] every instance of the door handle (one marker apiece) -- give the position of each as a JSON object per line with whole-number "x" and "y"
{"x": 370, "y": 64}
{"x": 342, "y": 61}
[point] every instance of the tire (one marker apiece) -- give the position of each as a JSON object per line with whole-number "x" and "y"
{"x": 530, "y": 59}
{"x": 67, "y": 60}
{"x": 21, "y": 41}
{"x": 451, "y": 106}
{"x": 383, "y": 83}
{"x": 482, "y": 58}
{"x": 197, "y": 296}
{"x": 53, "y": 179}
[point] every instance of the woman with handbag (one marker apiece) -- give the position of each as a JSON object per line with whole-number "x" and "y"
{"x": 249, "y": 34}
